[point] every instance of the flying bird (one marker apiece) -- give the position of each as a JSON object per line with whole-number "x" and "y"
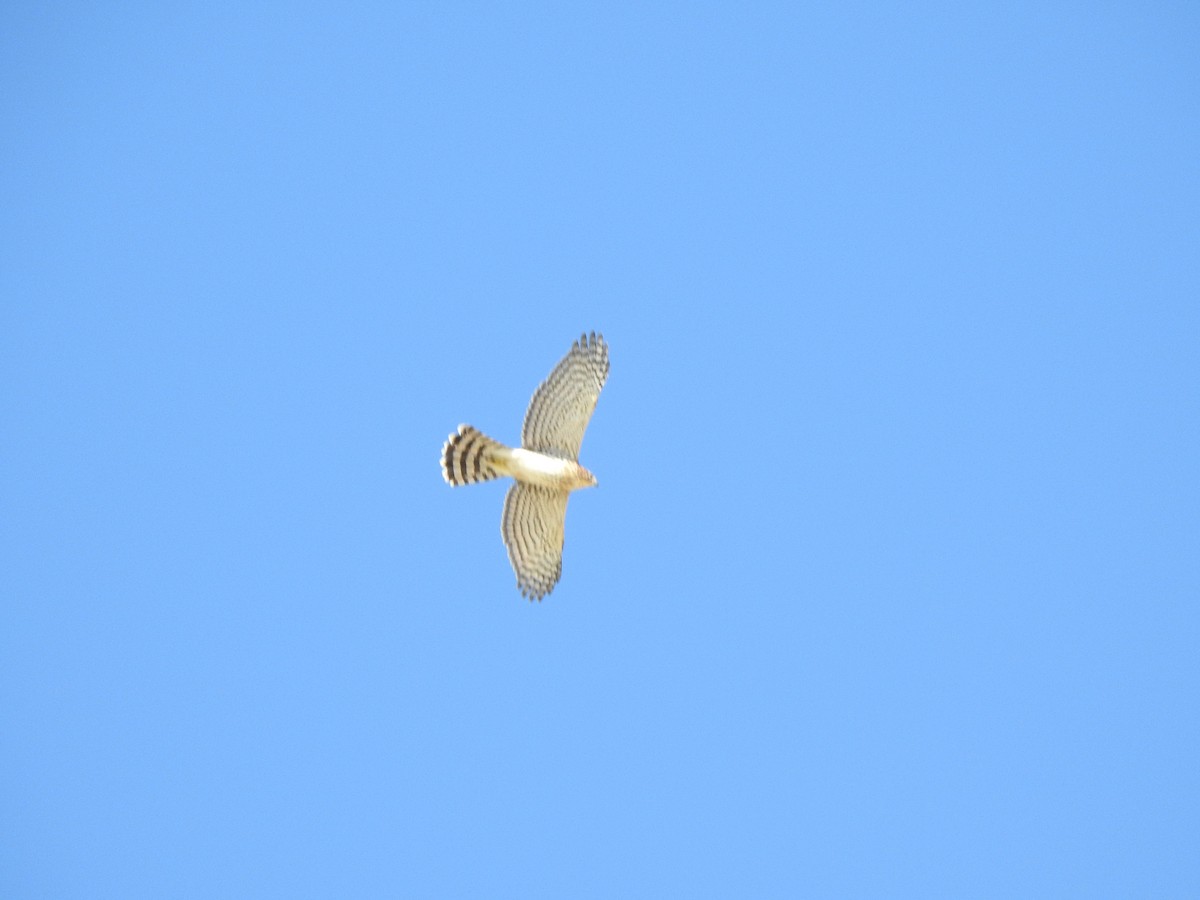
{"x": 545, "y": 468}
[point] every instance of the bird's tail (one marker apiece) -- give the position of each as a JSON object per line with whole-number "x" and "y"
{"x": 469, "y": 456}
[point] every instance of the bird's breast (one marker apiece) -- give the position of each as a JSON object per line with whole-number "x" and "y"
{"x": 549, "y": 471}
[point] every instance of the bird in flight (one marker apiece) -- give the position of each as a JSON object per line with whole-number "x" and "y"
{"x": 545, "y": 468}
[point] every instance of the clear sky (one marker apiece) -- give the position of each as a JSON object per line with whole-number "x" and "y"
{"x": 890, "y": 585}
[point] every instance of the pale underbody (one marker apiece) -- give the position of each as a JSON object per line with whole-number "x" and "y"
{"x": 532, "y": 467}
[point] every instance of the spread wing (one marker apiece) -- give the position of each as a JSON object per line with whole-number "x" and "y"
{"x": 532, "y": 527}
{"x": 563, "y": 404}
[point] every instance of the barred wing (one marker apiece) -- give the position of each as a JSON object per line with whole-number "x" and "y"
{"x": 532, "y": 527}
{"x": 563, "y": 404}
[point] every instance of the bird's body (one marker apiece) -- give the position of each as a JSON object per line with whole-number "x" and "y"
{"x": 545, "y": 468}
{"x": 532, "y": 467}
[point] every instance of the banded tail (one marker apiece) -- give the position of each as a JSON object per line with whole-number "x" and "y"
{"x": 469, "y": 456}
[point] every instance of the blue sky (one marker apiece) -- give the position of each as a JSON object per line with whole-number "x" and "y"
{"x": 890, "y": 584}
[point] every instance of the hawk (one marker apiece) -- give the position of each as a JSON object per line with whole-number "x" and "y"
{"x": 545, "y": 468}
